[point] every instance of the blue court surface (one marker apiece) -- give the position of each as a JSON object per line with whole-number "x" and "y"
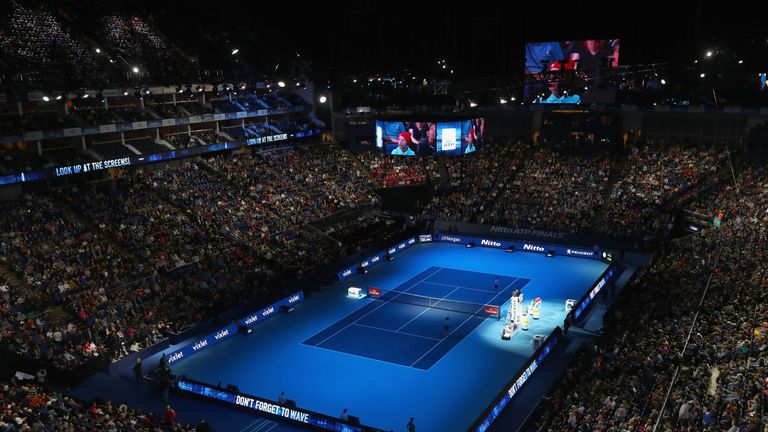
{"x": 388, "y": 359}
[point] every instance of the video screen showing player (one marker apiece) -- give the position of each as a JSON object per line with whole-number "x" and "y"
{"x": 587, "y": 55}
{"x": 472, "y": 132}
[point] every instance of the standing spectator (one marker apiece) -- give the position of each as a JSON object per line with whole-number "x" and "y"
{"x": 282, "y": 399}
{"x": 41, "y": 375}
{"x": 410, "y": 426}
{"x": 170, "y": 415}
{"x": 203, "y": 426}
{"x": 137, "y": 371}
{"x": 344, "y": 416}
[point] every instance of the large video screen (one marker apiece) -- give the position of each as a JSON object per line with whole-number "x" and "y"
{"x": 541, "y": 57}
{"x": 570, "y": 72}
{"x": 402, "y": 138}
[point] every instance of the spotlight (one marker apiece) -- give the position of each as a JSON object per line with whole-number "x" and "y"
{"x": 709, "y": 53}
{"x": 663, "y": 81}
{"x": 298, "y": 84}
{"x": 235, "y": 51}
{"x": 502, "y": 101}
{"x": 702, "y": 75}
{"x": 111, "y": 61}
{"x": 98, "y": 50}
{"x": 85, "y": 95}
{"x": 323, "y": 99}
{"x": 741, "y": 61}
{"x": 125, "y": 93}
{"x": 512, "y": 98}
{"x": 281, "y": 84}
{"x": 472, "y": 104}
{"x": 58, "y": 97}
{"x": 135, "y": 69}
{"x": 46, "y": 98}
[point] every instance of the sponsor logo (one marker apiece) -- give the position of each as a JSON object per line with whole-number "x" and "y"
{"x": 365, "y": 263}
{"x": 347, "y": 272}
{"x": 268, "y": 311}
{"x": 527, "y": 232}
{"x": 375, "y": 259}
{"x": 221, "y": 334}
{"x": 294, "y": 298}
{"x": 251, "y": 319}
{"x": 401, "y": 246}
{"x": 425, "y": 238}
{"x": 177, "y": 356}
{"x": 485, "y": 242}
{"x": 391, "y": 251}
{"x": 534, "y": 248}
{"x": 201, "y": 344}
{"x": 579, "y": 252}
{"x": 411, "y": 241}
{"x": 450, "y": 239}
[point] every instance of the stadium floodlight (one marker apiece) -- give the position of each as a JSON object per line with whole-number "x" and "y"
{"x": 709, "y": 53}
{"x": 323, "y": 99}
{"x": 702, "y": 75}
{"x": 298, "y": 84}
{"x": 85, "y": 95}
{"x": 98, "y": 50}
{"x": 58, "y": 97}
{"x": 46, "y": 98}
{"x": 281, "y": 84}
{"x": 235, "y": 51}
{"x": 741, "y": 61}
{"x": 125, "y": 93}
{"x": 472, "y": 104}
{"x": 502, "y": 101}
{"x": 354, "y": 80}
{"x": 663, "y": 81}
{"x": 512, "y": 98}
{"x": 111, "y": 61}
{"x": 135, "y": 69}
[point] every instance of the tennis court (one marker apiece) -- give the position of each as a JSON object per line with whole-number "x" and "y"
{"x": 422, "y": 319}
{"x": 386, "y": 361}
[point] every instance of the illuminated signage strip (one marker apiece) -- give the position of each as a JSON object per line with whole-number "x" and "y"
{"x": 88, "y": 167}
{"x": 515, "y": 245}
{"x": 231, "y": 330}
{"x": 264, "y": 406}
{"x": 516, "y": 383}
{"x": 379, "y": 257}
{"x": 612, "y": 272}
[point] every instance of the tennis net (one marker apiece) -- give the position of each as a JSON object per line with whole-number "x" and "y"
{"x": 480, "y": 309}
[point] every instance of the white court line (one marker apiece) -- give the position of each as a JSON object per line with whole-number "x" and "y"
{"x": 266, "y": 426}
{"x": 426, "y": 308}
{"x": 396, "y": 331}
{"x": 462, "y": 287}
{"x": 362, "y": 357}
{"x": 458, "y": 327}
{"x": 376, "y": 308}
{"x": 249, "y": 426}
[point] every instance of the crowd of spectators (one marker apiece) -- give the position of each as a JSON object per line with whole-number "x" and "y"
{"x": 29, "y": 406}
{"x": 388, "y": 171}
{"x": 36, "y": 45}
{"x": 697, "y": 343}
{"x": 653, "y": 176}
